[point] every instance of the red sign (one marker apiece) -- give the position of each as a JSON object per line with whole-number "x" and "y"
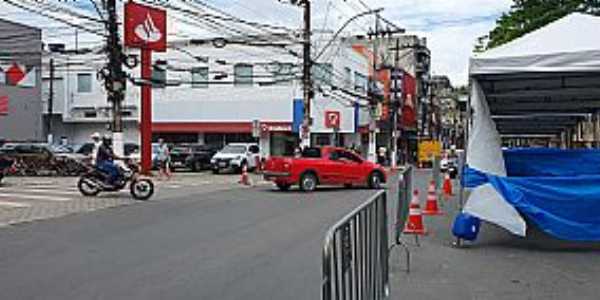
{"x": 332, "y": 119}
{"x": 145, "y": 27}
{"x": 14, "y": 74}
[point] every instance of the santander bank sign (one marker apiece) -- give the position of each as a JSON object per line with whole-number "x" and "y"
{"x": 145, "y": 27}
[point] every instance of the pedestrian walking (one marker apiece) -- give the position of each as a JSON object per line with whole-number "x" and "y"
{"x": 164, "y": 160}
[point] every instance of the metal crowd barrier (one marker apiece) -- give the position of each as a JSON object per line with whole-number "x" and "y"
{"x": 405, "y": 188}
{"x": 355, "y": 254}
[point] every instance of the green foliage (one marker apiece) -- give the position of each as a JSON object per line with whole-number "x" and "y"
{"x": 528, "y": 15}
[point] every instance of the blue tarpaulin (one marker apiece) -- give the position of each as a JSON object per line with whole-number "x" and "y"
{"x": 566, "y": 207}
{"x": 528, "y": 162}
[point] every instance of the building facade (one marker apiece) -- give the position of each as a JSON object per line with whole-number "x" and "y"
{"x": 20, "y": 84}
{"x": 215, "y": 96}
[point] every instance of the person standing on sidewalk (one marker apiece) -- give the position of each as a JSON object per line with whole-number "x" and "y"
{"x": 164, "y": 158}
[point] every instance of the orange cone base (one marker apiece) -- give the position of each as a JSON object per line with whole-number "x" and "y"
{"x": 433, "y": 213}
{"x": 421, "y": 231}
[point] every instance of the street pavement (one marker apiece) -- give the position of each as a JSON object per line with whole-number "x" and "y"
{"x": 497, "y": 266}
{"x": 206, "y": 237}
{"x": 201, "y": 242}
{"x": 27, "y": 199}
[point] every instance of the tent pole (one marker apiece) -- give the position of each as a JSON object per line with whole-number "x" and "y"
{"x": 463, "y": 158}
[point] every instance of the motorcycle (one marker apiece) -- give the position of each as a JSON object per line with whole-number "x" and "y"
{"x": 94, "y": 181}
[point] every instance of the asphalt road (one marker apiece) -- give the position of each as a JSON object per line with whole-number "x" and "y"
{"x": 232, "y": 244}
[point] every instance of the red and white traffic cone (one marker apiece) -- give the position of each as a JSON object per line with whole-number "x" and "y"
{"x": 431, "y": 206}
{"x": 414, "y": 225}
{"x": 244, "y": 179}
{"x": 447, "y": 187}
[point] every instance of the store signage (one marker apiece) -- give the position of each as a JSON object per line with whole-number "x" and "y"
{"x": 278, "y": 128}
{"x": 332, "y": 119}
{"x": 145, "y": 27}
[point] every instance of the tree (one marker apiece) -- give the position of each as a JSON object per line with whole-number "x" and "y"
{"x": 528, "y": 15}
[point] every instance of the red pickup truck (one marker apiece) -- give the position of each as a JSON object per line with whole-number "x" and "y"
{"x": 323, "y": 166}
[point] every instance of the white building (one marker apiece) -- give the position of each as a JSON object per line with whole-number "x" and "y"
{"x": 212, "y": 96}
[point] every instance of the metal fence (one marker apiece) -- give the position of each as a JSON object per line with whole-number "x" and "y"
{"x": 355, "y": 254}
{"x": 405, "y": 188}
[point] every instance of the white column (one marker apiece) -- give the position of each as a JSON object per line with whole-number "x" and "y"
{"x": 264, "y": 142}
{"x": 201, "y": 138}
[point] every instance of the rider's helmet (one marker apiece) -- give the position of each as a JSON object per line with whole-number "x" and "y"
{"x": 107, "y": 139}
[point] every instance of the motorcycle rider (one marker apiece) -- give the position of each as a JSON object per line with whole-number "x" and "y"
{"x": 105, "y": 160}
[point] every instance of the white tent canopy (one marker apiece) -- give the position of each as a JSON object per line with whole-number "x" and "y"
{"x": 541, "y": 83}
{"x": 566, "y": 45}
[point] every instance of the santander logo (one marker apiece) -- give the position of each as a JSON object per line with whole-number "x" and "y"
{"x": 147, "y": 31}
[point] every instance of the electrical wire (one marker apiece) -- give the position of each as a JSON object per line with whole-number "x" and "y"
{"x": 46, "y": 15}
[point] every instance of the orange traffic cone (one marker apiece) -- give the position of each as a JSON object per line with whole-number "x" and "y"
{"x": 245, "y": 180}
{"x": 431, "y": 206}
{"x": 415, "y": 218}
{"x": 447, "y": 186}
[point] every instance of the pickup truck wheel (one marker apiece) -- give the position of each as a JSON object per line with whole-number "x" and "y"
{"x": 308, "y": 182}
{"x": 375, "y": 180}
{"x": 283, "y": 186}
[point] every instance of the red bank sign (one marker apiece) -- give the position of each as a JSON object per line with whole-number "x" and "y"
{"x": 145, "y": 27}
{"x": 332, "y": 119}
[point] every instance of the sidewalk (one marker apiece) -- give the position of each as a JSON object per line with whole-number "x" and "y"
{"x": 497, "y": 266}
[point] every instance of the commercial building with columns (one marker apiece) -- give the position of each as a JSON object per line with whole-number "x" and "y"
{"x": 206, "y": 95}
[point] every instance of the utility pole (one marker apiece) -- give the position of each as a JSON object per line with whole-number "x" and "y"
{"x": 397, "y": 103}
{"x": 115, "y": 83}
{"x": 372, "y": 155}
{"x": 50, "y": 104}
{"x": 306, "y": 77}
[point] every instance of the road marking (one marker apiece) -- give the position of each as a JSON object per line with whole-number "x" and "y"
{"x": 34, "y": 197}
{"x": 14, "y": 204}
{"x": 172, "y": 186}
{"x": 43, "y": 191}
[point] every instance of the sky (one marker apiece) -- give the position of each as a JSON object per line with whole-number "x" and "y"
{"x": 450, "y": 26}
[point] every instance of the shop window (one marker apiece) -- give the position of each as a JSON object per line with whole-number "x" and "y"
{"x": 322, "y": 73}
{"x": 200, "y": 77}
{"x": 243, "y": 75}
{"x": 360, "y": 82}
{"x": 84, "y": 83}
{"x": 159, "y": 76}
{"x": 347, "y": 78}
{"x": 322, "y": 139}
{"x": 283, "y": 73}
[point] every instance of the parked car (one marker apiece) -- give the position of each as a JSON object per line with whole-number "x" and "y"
{"x": 179, "y": 154}
{"x": 199, "y": 157}
{"x": 136, "y": 156}
{"x": 86, "y": 148}
{"x": 323, "y": 166}
{"x": 235, "y": 156}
